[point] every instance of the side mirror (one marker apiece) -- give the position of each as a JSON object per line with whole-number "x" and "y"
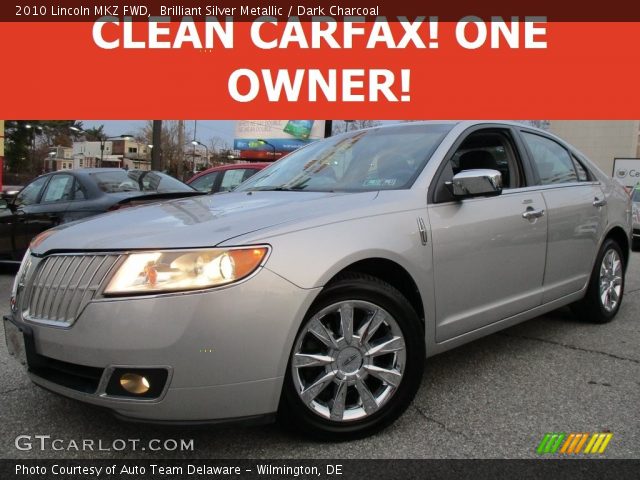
{"x": 4, "y": 205}
{"x": 475, "y": 183}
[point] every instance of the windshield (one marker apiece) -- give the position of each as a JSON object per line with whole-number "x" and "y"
{"x": 138, "y": 181}
{"x": 387, "y": 158}
{"x": 636, "y": 194}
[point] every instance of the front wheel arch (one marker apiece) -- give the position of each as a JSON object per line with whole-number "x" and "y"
{"x": 293, "y": 411}
{"x": 389, "y": 272}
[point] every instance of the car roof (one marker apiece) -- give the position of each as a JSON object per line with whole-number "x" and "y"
{"x": 233, "y": 166}
{"x": 103, "y": 170}
{"x": 463, "y": 123}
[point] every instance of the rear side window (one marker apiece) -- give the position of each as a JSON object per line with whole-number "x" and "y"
{"x": 78, "y": 192}
{"x": 205, "y": 182}
{"x": 60, "y": 189}
{"x": 583, "y": 174}
{"x": 551, "y": 160}
{"x": 249, "y": 172}
{"x": 231, "y": 179}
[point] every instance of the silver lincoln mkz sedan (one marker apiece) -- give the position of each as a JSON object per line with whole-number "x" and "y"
{"x": 316, "y": 289}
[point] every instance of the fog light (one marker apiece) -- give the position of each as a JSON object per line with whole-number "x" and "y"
{"x": 134, "y": 383}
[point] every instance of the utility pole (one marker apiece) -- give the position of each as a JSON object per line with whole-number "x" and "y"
{"x": 193, "y": 153}
{"x": 179, "y": 170}
{"x": 156, "y": 150}
{"x": 328, "y": 126}
{"x": 1, "y": 151}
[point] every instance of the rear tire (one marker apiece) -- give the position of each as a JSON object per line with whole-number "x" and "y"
{"x": 606, "y": 286}
{"x": 369, "y": 372}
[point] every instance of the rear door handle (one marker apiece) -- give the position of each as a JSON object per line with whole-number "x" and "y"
{"x": 599, "y": 203}
{"x": 531, "y": 213}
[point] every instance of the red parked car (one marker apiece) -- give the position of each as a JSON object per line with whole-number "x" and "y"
{"x": 224, "y": 178}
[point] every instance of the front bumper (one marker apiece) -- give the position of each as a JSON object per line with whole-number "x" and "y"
{"x": 225, "y": 350}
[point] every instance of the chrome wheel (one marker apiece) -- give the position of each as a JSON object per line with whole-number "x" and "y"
{"x": 610, "y": 280}
{"x": 348, "y": 360}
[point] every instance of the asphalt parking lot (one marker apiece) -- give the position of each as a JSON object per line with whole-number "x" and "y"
{"x": 493, "y": 398}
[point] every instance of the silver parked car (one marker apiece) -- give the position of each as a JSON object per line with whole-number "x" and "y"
{"x": 317, "y": 288}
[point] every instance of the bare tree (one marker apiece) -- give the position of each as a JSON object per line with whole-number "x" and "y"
{"x": 172, "y": 144}
{"x": 217, "y": 143}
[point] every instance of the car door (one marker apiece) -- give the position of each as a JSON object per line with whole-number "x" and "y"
{"x": 488, "y": 252}
{"x": 7, "y": 220}
{"x": 576, "y": 214}
{"x": 82, "y": 203}
{"x": 50, "y": 209}
{"x": 20, "y": 209}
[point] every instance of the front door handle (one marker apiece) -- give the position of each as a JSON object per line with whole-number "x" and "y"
{"x": 599, "y": 203}
{"x": 531, "y": 213}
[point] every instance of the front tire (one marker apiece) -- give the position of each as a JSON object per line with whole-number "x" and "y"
{"x": 606, "y": 286}
{"x": 356, "y": 363}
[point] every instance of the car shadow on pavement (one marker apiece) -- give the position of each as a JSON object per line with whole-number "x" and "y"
{"x": 9, "y": 268}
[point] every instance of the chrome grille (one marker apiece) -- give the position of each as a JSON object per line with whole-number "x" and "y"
{"x": 64, "y": 284}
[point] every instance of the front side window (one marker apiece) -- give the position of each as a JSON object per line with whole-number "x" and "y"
{"x": 489, "y": 149}
{"x": 551, "y": 160}
{"x": 388, "y": 158}
{"x": 29, "y": 194}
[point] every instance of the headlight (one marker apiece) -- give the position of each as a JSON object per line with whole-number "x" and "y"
{"x": 179, "y": 270}
{"x": 24, "y": 266}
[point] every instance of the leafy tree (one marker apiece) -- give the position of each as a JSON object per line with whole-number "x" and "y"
{"x": 95, "y": 134}
{"x": 27, "y": 142}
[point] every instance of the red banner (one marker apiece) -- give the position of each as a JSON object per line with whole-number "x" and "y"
{"x": 58, "y": 70}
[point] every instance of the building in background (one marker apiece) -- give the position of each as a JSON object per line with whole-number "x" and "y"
{"x": 59, "y": 158}
{"x": 601, "y": 140}
{"x": 132, "y": 154}
{"x": 129, "y": 154}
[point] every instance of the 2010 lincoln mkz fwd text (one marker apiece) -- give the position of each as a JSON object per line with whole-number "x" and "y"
{"x": 318, "y": 287}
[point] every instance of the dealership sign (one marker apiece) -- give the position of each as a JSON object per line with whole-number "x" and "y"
{"x": 270, "y": 139}
{"x": 627, "y": 171}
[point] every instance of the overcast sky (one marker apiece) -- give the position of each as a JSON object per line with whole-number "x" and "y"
{"x": 206, "y": 130}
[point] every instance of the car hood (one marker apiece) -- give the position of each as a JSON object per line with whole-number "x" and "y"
{"x": 202, "y": 221}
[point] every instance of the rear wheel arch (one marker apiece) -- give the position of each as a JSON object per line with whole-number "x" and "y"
{"x": 618, "y": 234}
